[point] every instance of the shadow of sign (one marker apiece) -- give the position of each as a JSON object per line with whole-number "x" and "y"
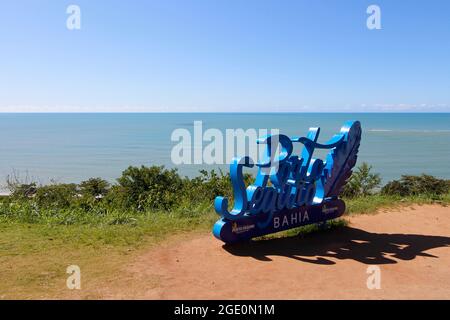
{"x": 343, "y": 243}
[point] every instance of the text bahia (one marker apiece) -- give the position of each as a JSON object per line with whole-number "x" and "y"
{"x": 293, "y": 218}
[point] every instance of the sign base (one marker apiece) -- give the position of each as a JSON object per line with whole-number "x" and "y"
{"x": 249, "y": 226}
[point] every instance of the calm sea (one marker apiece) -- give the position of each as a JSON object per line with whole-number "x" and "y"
{"x": 73, "y": 147}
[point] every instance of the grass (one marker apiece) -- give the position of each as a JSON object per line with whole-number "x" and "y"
{"x": 34, "y": 256}
{"x": 370, "y": 204}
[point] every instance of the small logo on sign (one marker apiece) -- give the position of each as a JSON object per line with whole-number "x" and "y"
{"x": 240, "y": 229}
{"x": 327, "y": 210}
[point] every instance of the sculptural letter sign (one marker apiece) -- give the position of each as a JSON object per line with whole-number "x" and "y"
{"x": 302, "y": 190}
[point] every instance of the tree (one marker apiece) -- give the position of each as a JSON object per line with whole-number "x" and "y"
{"x": 362, "y": 182}
{"x": 94, "y": 187}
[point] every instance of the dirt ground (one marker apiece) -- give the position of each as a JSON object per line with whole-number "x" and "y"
{"x": 409, "y": 245}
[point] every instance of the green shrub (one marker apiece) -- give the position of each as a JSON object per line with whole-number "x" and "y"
{"x": 20, "y": 187}
{"x": 207, "y": 186}
{"x": 94, "y": 187}
{"x": 20, "y": 191}
{"x": 148, "y": 188}
{"x": 61, "y": 195}
{"x": 362, "y": 182}
{"x": 416, "y": 185}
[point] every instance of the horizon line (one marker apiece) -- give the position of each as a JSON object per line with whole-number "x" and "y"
{"x": 218, "y": 112}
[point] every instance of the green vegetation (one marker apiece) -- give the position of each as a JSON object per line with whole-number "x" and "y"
{"x": 363, "y": 195}
{"x": 416, "y": 186}
{"x": 149, "y": 199}
{"x": 141, "y": 194}
{"x": 362, "y": 183}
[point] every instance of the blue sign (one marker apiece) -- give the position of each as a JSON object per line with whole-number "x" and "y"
{"x": 289, "y": 190}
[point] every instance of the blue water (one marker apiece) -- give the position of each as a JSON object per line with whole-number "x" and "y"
{"x": 73, "y": 147}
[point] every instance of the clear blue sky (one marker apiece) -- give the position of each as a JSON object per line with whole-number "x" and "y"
{"x": 224, "y": 55}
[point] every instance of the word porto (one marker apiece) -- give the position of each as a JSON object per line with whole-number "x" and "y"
{"x": 289, "y": 190}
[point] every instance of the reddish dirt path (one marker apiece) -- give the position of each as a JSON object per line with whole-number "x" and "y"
{"x": 410, "y": 245}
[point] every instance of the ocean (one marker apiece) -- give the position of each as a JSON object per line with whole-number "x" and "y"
{"x": 66, "y": 147}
